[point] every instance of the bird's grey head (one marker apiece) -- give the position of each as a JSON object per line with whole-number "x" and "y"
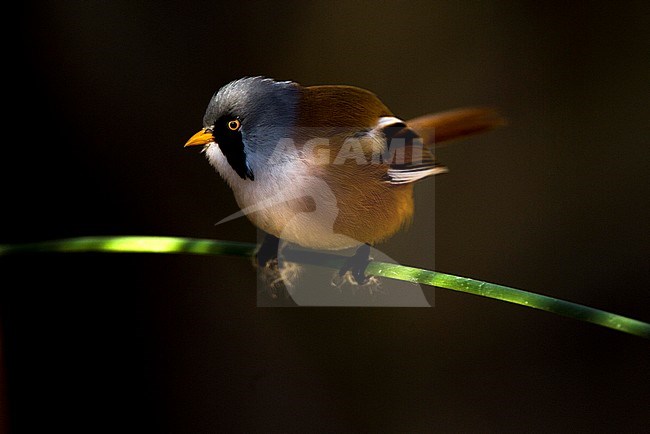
{"x": 248, "y": 118}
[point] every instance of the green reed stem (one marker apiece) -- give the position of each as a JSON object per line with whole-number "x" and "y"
{"x": 148, "y": 244}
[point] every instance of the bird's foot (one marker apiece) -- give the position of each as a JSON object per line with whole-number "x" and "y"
{"x": 267, "y": 251}
{"x": 278, "y": 278}
{"x": 277, "y": 275}
{"x": 356, "y": 265}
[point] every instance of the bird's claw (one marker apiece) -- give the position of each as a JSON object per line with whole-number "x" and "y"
{"x": 357, "y": 264}
{"x": 267, "y": 252}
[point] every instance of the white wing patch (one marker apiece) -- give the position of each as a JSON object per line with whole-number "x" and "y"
{"x": 400, "y": 176}
{"x": 409, "y": 161}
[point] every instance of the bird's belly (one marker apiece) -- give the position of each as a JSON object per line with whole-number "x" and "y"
{"x": 303, "y": 211}
{"x": 314, "y": 213}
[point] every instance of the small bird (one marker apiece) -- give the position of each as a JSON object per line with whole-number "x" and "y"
{"x": 325, "y": 167}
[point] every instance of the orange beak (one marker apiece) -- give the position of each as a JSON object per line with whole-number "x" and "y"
{"x": 203, "y": 137}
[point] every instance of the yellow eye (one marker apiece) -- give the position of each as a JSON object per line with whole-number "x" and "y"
{"x": 234, "y": 125}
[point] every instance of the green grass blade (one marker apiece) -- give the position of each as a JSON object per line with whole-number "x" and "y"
{"x": 179, "y": 245}
{"x": 512, "y": 295}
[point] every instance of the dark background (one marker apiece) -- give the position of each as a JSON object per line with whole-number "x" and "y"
{"x": 557, "y": 203}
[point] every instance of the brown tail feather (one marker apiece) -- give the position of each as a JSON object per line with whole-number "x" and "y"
{"x": 455, "y": 124}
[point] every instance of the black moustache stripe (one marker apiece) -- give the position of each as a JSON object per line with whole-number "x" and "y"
{"x": 236, "y": 157}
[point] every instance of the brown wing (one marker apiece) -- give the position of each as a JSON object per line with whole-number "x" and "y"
{"x": 339, "y": 107}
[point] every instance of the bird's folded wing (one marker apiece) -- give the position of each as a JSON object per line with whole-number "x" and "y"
{"x": 407, "y": 158}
